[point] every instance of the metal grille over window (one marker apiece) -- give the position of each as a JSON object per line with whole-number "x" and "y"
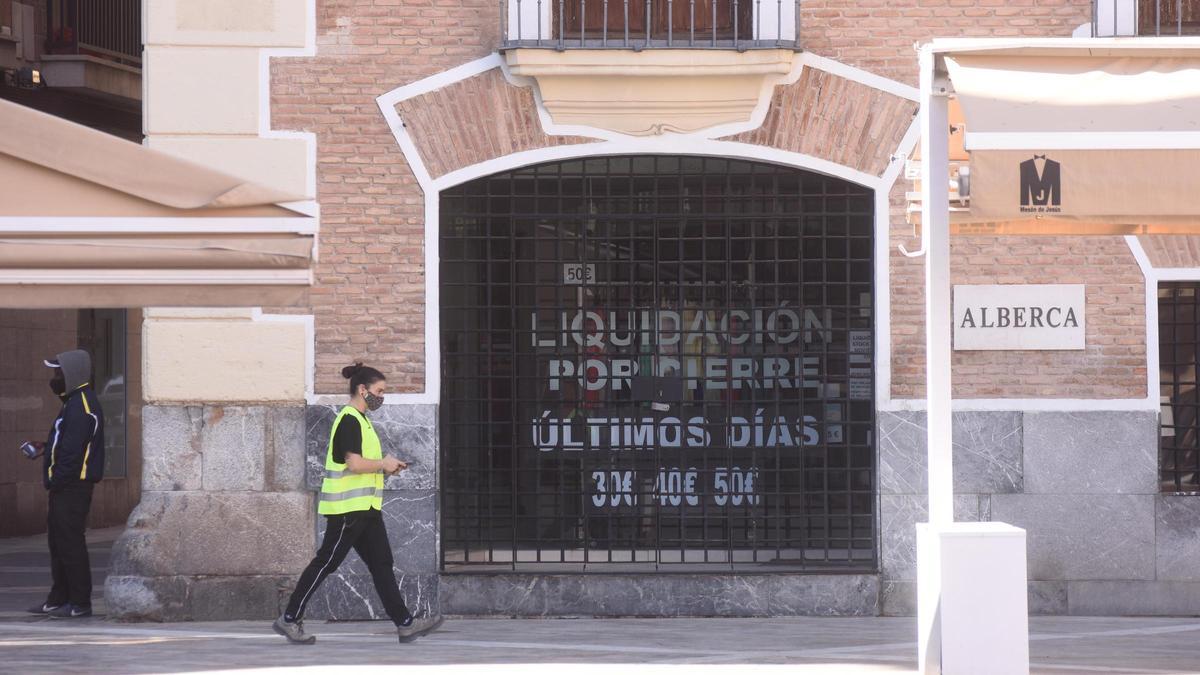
{"x": 658, "y": 24}
{"x": 1178, "y": 336}
{"x": 1131, "y": 18}
{"x": 657, "y": 363}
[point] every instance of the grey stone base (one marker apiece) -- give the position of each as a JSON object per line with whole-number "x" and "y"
{"x": 899, "y": 598}
{"x": 1133, "y": 598}
{"x": 660, "y": 595}
{"x": 1079, "y": 598}
{"x": 183, "y": 598}
{"x": 225, "y": 524}
{"x": 409, "y": 513}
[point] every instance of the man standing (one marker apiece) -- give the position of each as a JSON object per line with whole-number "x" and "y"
{"x": 73, "y": 462}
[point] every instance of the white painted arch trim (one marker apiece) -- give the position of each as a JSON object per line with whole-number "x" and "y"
{"x": 658, "y": 145}
{"x": 388, "y": 101}
{"x": 704, "y": 143}
{"x": 1153, "y": 276}
{"x": 678, "y": 145}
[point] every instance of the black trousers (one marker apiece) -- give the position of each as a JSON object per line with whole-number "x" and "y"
{"x": 366, "y": 534}
{"x": 70, "y": 568}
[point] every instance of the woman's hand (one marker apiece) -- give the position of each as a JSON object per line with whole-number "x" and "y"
{"x": 388, "y": 465}
{"x": 392, "y": 466}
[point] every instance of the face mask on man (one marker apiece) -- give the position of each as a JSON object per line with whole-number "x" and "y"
{"x": 58, "y": 385}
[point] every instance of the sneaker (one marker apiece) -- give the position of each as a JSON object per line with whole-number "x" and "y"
{"x": 293, "y": 631}
{"x": 69, "y": 611}
{"x": 422, "y": 624}
{"x": 44, "y": 608}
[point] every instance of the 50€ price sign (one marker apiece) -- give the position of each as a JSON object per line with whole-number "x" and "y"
{"x": 579, "y": 273}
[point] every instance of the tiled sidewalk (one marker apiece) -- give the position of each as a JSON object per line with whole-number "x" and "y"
{"x": 807, "y": 645}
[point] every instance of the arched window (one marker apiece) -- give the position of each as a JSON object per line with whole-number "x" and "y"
{"x": 655, "y": 363}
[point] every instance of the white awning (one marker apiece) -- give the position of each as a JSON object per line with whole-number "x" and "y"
{"x": 91, "y": 220}
{"x": 1076, "y": 94}
{"x": 1088, "y": 133}
{"x": 120, "y": 165}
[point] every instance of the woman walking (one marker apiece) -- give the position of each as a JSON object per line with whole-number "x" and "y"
{"x": 352, "y": 501}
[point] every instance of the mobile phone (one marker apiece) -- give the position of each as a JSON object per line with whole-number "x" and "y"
{"x": 30, "y": 450}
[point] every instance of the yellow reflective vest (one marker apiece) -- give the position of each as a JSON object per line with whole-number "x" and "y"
{"x": 346, "y": 492}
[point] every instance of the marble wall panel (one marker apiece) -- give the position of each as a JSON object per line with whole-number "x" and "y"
{"x": 898, "y": 517}
{"x": 899, "y": 598}
{"x": 660, "y": 595}
{"x": 410, "y": 517}
{"x": 1177, "y": 538}
{"x": 407, "y": 431}
{"x": 987, "y": 452}
{"x": 1091, "y": 452}
{"x": 1134, "y": 598}
{"x": 1078, "y": 537}
{"x": 352, "y": 597}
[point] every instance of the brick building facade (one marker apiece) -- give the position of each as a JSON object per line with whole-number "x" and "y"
{"x": 426, "y": 123}
{"x": 370, "y": 198}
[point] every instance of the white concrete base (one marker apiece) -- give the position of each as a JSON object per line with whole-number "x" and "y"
{"x": 972, "y": 603}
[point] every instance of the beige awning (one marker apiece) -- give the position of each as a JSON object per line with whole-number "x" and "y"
{"x": 230, "y": 251}
{"x": 70, "y": 296}
{"x": 1070, "y": 94}
{"x": 91, "y": 220}
{"x": 1076, "y": 136}
{"x": 1114, "y": 186}
{"x": 122, "y": 166}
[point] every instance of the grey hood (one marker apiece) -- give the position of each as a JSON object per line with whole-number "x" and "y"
{"x": 77, "y": 368}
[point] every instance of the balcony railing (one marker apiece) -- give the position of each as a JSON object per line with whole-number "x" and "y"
{"x": 1145, "y": 18}
{"x": 108, "y": 29}
{"x": 643, "y": 24}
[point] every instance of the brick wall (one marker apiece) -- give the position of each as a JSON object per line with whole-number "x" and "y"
{"x": 823, "y": 115}
{"x": 455, "y": 126}
{"x": 878, "y": 35}
{"x": 1164, "y": 250}
{"x": 1113, "y": 365}
{"x": 369, "y": 298}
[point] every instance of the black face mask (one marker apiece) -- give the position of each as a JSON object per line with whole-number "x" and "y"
{"x": 58, "y": 386}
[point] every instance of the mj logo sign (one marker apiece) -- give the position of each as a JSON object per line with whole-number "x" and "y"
{"x": 1041, "y": 186}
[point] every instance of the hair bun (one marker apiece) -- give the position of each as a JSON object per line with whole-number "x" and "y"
{"x": 349, "y": 371}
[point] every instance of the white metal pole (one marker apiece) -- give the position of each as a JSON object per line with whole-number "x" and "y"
{"x": 935, "y": 224}
{"x": 935, "y": 240}
{"x": 972, "y": 612}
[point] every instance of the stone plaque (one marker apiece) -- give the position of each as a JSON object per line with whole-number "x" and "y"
{"x": 1019, "y": 317}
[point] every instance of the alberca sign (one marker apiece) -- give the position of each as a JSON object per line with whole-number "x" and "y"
{"x": 1019, "y": 317}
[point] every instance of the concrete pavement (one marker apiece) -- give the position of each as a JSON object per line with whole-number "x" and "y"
{"x": 1059, "y": 645}
{"x": 808, "y": 645}
{"x": 25, "y": 570}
